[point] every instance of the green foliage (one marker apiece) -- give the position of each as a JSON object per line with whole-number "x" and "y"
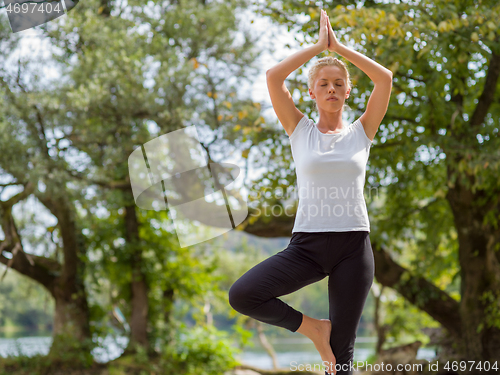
{"x": 102, "y": 108}
{"x": 405, "y": 321}
{"x": 25, "y": 365}
{"x": 66, "y": 352}
{"x": 25, "y": 306}
{"x": 492, "y": 310}
{"x": 60, "y": 359}
{"x": 201, "y": 350}
{"x": 113, "y": 112}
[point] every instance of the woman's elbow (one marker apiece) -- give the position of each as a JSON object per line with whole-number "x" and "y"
{"x": 273, "y": 72}
{"x": 269, "y": 72}
{"x": 389, "y": 74}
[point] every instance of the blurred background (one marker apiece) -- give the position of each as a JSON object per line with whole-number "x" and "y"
{"x": 91, "y": 282}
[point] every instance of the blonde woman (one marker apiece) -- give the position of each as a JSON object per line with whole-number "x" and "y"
{"x": 330, "y": 236}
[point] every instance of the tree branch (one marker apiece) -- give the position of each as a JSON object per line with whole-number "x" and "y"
{"x": 122, "y": 185}
{"x": 399, "y": 118}
{"x": 279, "y": 226}
{"x": 43, "y": 270}
{"x": 9, "y": 226}
{"x": 488, "y": 93}
{"x": 28, "y": 189}
{"x": 400, "y": 74}
{"x": 420, "y": 292}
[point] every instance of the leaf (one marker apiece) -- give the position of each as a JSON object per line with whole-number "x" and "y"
{"x": 432, "y": 25}
{"x": 312, "y": 13}
{"x": 423, "y": 51}
{"x": 394, "y": 67}
{"x": 195, "y": 62}
{"x": 443, "y": 26}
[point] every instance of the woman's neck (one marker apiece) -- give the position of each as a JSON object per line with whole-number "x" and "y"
{"x": 330, "y": 121}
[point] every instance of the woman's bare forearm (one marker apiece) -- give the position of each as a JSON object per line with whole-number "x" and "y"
{"x": 372, "y": 69}
{"x": 283, "y": 69}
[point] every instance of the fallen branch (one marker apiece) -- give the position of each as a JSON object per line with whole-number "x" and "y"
{"x": 282, "y": 371}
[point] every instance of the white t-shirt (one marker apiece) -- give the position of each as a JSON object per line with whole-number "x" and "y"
{"x": 331, "y": 171}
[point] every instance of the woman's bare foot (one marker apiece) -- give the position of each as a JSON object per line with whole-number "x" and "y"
{"x": 318, "y": 330}
{"x": 323, "y": 346}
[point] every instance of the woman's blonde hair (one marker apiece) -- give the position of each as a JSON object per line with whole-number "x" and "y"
{"x": 327, "y": 61}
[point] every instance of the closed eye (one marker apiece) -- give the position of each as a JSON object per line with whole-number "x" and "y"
{"x": 335, "y": 85}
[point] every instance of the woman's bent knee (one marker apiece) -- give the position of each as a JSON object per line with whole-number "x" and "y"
{"x": 242, "y": 296}
{"x": 237, "y": 297}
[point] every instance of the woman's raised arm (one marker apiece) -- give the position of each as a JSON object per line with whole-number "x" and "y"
{"x": 282, "y": 101}
{"x": 381, "y": 77}
{"x": 295, "y": 61}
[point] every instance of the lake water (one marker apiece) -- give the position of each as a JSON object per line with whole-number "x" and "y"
{"x": 298, "y": 350}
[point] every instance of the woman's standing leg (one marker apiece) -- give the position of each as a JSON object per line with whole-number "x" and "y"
{"x": 348, "y": 287}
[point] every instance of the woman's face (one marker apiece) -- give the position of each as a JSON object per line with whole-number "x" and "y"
{"x": 330, "y": 82}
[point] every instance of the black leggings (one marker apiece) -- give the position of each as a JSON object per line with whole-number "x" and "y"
{"x": 346, "y": 257}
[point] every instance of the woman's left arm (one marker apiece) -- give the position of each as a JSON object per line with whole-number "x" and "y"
{"x": 381, "y": 77}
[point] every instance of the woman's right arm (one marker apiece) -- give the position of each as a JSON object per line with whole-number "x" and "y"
{"x": 281, "y": 99}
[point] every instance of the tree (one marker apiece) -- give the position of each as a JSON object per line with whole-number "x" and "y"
{"x": 68, "y": 144}
{"x": 27, "y": 163}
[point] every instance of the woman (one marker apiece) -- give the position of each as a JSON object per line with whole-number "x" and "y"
{"x": 330, "y": 236}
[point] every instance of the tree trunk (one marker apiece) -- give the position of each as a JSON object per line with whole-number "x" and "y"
{"x": 168, "y": 303}
{"x": 139, "y": 304}
{"x": 267, "y": 345}
{"x": 380, "y": 328}
{"x": 480, "y": 274}
{"x": 138, "y": 286}
{"x": 71, "y": 322}
{"x": 64, "y": 281}
{"x": 72, "y": 317}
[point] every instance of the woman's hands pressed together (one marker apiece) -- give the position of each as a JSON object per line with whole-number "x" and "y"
{"x": 327, "y": 38}
{"x": 333, "y": 43}
{"x": 323, "y": 40}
